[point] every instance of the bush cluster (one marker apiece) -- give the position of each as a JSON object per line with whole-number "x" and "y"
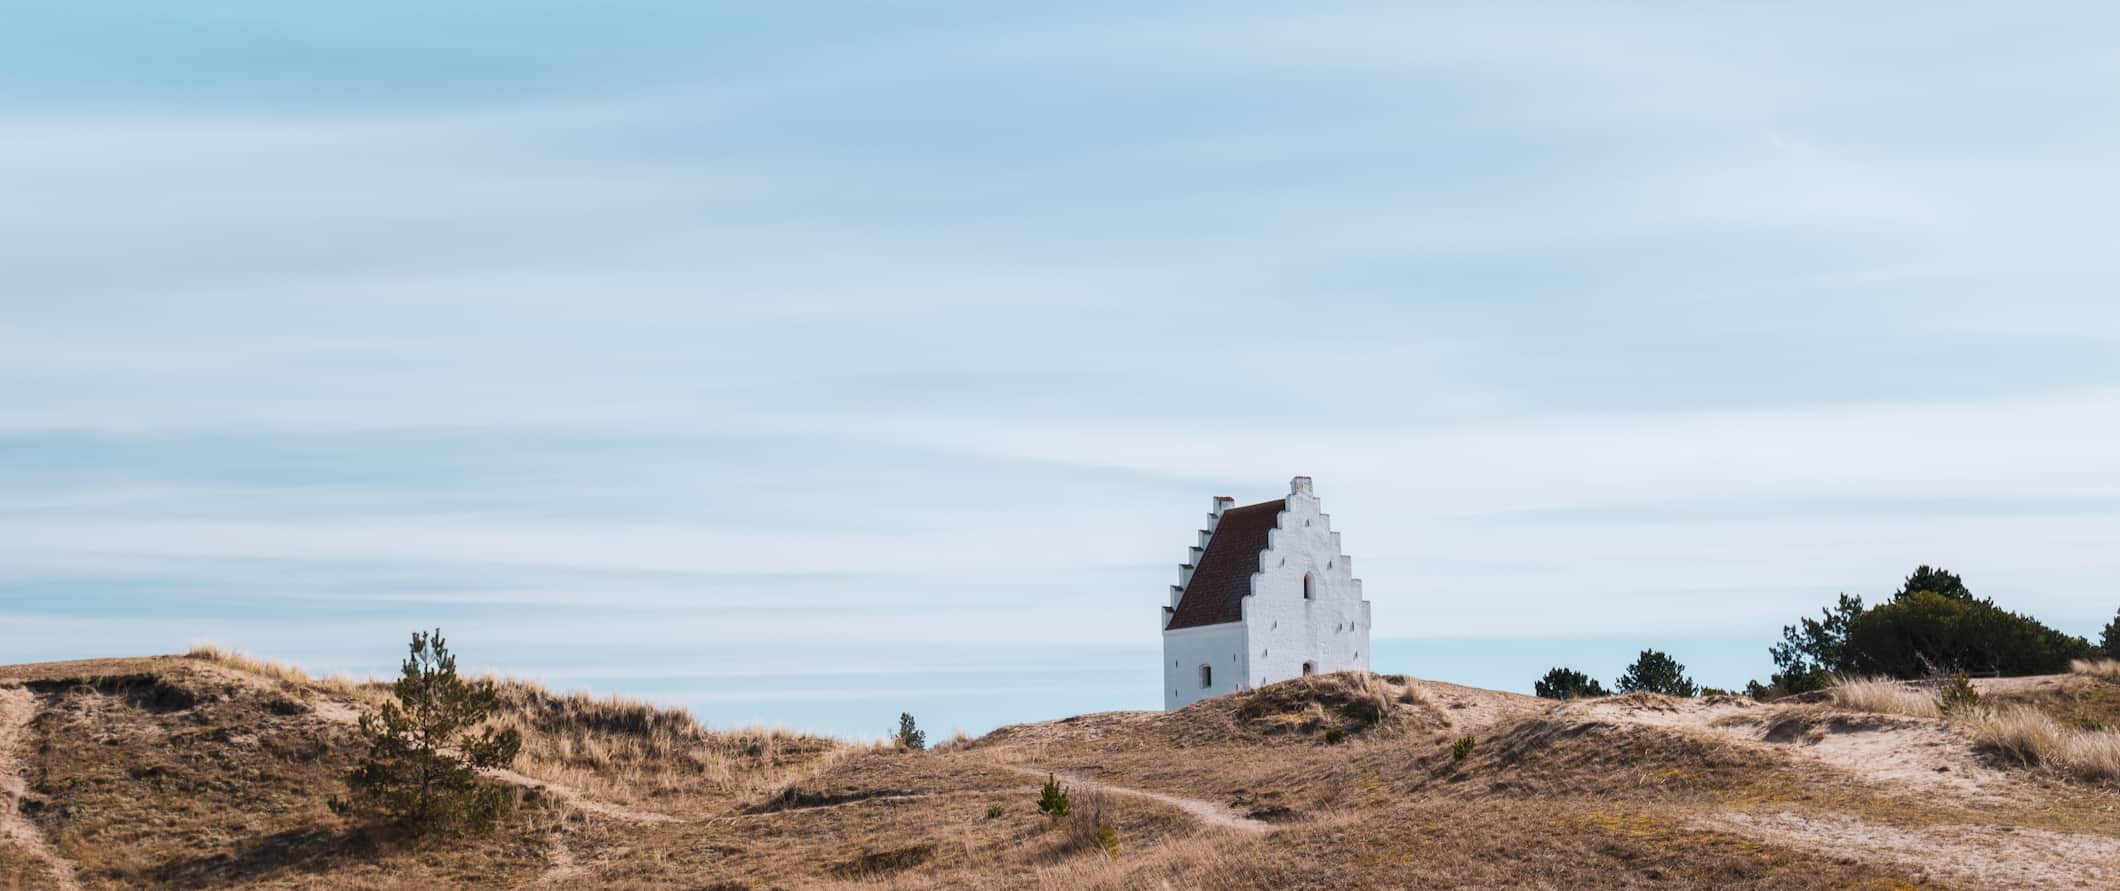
{"x": 1932, "y": 625}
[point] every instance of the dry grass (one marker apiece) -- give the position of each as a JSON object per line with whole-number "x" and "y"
{"x": 2029, "y": 736}
{"x": 1348, "y": 701}
{"x": 613, "y": 748}
{"x": 290, "y": 675}
{"x": 1090, "y": 811}
{"x": 2098, "y": 668}
{"x": 2019, "y": 732}
{"x": 1884, "y": 696}
{"x": 630, "y": 750}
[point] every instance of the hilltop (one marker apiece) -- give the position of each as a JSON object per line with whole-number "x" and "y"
{"x": 212, "y": 770}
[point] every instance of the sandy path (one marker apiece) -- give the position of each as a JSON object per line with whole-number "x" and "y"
{"x": 17, "y": 707}
{"x": 1206, "y": 812}
{"x": 1982, "y": 856}
{"x": 575, "y": 799}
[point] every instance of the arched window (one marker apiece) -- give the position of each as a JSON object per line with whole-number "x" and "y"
{"x": 1310, "y": 668}
{"x": 1310, "y": 590}
{"x": 1207, "y": 676}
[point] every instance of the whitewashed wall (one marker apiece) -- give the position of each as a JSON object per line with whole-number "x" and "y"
{"x": 1186, "y": 649}
{"x": 1282, "y": 630}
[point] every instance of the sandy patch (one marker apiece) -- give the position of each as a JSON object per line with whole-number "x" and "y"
{"x": 1982, "y": 856}
{"x": 1471, "y": 708}
{"x": 1900, "y": 755}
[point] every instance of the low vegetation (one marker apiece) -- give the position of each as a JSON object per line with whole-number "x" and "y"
{"x": 1088, "y": 819}
{"x": 636, "y": 752}
{"x": 1053, "y": 801}
{"x": 1463, "y": 747}
{"x": 2020, "y": 733}
{"x": 2105, "y": 668}
{"x": 1347, "y": 702}
{"x": 2032, "y": 737}
{"x": 1884, "y": 696}
{"x": 287, "y": 675}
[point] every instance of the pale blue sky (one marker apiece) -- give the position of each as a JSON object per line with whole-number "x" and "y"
{"x": 734, "y": 357}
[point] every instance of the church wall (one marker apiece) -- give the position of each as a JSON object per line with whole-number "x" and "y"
{"x": 1282, "y": 629}
{"x": 1186, "y": 649}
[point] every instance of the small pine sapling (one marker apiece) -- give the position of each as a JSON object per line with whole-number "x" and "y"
{"x": 1052, "y": 800}
{"x": 1957, "y": 694}
{"x": 910, "y": 736}
{"x": 1462, "y": 748}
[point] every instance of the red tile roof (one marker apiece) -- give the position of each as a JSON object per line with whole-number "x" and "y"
{"x": 1215, "y": 593}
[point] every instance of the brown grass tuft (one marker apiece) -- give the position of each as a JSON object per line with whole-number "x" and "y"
{"x": 1089, "y": 814}
{"x": 2100, "y": 668}
{"x": 1884, "y": 696}
{"x": 1347, "y": 701}
{"x": 2018, "y": 732}
{"x": 2029, "y": 736}
{"x": 630, "y": 750}
{"x": 290, "y": 675}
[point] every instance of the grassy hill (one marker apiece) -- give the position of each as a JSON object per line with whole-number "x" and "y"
{"x": 211, "y": 770}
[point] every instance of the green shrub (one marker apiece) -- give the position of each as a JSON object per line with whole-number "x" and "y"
{"x": 1655, "y": 672}
{"x": 1933, "y": 622}
{"x": 993, "y": 812}
{"x": 1108, "y": 840}
{"x": 1921, "y": 631}
{"x": 1052, "y": 800}
{"x": 908, "y": 735}
{"x": 425, "y": 750}
{"x": 1089, "y": 823}
{"x": 1335, "y": 736}
{"x": 1957, "y": 694}
{"x": 1462, "y": 748}
{"x": 1812, "y": 649}
{"x": 1567, "y": 683}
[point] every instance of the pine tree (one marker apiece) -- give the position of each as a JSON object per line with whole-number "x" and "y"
{"x": 2110, "y": 640}
{"x": 1567, "y": 683}
{"x": 425, "y": 749}
{"x": 1052, "y": 800}
{"x": 909, "y": 736}
{"x": 1654, "y": 672}
{"x": 1813, "y": 649}
{"x": 1936, "y": 580}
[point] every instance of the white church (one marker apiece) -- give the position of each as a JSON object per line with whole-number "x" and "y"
{"x": 1264, "y": 596}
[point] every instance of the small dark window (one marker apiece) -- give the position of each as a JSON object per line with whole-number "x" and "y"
{"x": 1309, "y": 587}
{"x": 1207, "y": 676}
{"x": 1310, "y": 668}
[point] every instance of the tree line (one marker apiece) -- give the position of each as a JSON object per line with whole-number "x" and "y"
{"x": 1932, "y": 626}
